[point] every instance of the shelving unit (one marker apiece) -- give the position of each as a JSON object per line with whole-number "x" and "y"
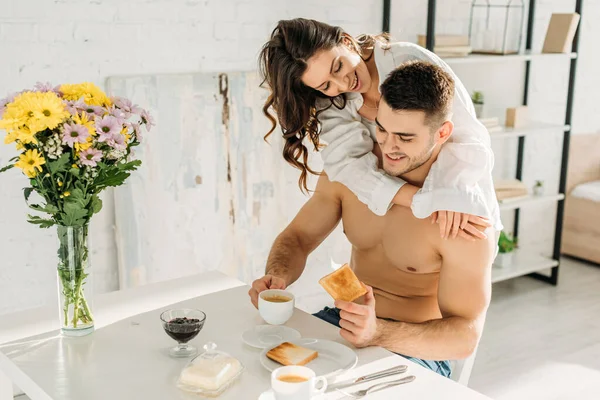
{"x": 526, "y": 56}
{"x": 529, "y": 201}
{"x": 525, "y": 262}
{"x": 533, "y": 128}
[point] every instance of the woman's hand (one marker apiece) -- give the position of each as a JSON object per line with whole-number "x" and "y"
{"x": 455, "y": 224}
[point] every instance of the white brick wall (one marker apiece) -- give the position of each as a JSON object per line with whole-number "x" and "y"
{"x": 75, "y": 40}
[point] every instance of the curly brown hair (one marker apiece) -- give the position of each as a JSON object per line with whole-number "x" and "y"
{"x": 282, "y": 62}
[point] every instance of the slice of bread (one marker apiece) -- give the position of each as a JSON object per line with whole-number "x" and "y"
{"x": 290, "y": 354}
{"x": 342, "y": 284}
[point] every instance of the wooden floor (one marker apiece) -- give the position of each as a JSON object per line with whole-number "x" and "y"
{"x": 540, "y": 341}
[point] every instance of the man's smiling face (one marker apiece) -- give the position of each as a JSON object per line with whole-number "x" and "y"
{"x": 406, "y": 139}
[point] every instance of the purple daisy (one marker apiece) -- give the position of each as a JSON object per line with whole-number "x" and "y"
{"x": 5, "y": 101}
{"x": 119, "y": 114}
{"x": 74, "y": 133}
{"x": 94, "y": 110}
{"x": 90, "y": 157}
{"x": 46, "y": 87}
{"x": 107, "y": 126}
{"x": 76, "y": 107}
{"x": 117, "y": 142}
{"x": 147, "y": 120}
{"x": 136, "y": 128}
{"x": 126, "y": 105}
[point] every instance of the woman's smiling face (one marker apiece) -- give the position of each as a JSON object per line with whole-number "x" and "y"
{"x": 337, "y": 70}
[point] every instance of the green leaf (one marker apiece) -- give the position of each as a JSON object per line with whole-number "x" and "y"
{"x": 51, "y": 209}
{"x": 112, "y": 177}
{"x": 78, "y": 197}
{"x": 130, "y": 166}
{"x": 36, "y": 207}
{"x": 73, "y": 215}
{"x": 27, "y": 193}
{"x": 43, "y": 223}
{"x": 48, "y": 208}
{"x": 9, "y": 166}
{"x": 60, "y": 164}
{"x": 95, "y": 204}
{"x": 75, "y": 208}
{"x": 75, "y": 172}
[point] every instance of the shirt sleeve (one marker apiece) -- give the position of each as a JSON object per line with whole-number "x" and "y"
{"x": 348, "y": 159}
{"x": 465, "y": 162}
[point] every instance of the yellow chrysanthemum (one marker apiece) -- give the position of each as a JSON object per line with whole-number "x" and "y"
{"x": 30, "y": 162}
{"x": 15, "y": 114}
{"x": 25, "y": 136}
{"x": 83, "y": 146}
{"x": 125, "y": 133}
{"x": 82, "y": 119}
{"x": 92, "y": 94}
{"x": 11, "y": 137}
{"x": 34, "y": 110}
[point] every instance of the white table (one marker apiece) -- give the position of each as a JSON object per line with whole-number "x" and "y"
{"x": 128, "y": 359}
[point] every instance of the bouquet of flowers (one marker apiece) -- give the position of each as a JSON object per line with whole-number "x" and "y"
{"x": 74, "y": 141}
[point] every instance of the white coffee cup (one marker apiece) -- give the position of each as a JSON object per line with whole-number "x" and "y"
{"x": 276, "y": 313}
{"x": 301, "y": 390}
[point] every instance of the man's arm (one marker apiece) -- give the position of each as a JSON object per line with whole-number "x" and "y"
{"x": 463, "y": 295}
{"x": 313, "y": 223}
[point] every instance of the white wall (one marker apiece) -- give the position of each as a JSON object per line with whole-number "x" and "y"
{"x": 69, "y": 41}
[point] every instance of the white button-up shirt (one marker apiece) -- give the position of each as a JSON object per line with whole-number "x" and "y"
{"x": 461, "y": 178}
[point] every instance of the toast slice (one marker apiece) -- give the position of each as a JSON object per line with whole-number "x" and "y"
{"x": 290, "y": 354}
{"x": 342, "y": 284}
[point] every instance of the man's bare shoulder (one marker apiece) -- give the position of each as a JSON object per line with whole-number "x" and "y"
{"x": 478, "y": 251}
{"x": 328, "y": 188}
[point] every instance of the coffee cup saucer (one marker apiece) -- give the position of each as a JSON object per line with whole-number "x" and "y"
{"x": 269, "y": 395}
{"x": 262, "y": 336}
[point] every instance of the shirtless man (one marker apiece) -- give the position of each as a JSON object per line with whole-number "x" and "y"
{"x": 427, "y": 297}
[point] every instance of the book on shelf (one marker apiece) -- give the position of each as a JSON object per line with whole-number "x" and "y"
{"x": 448, "y": 45}
{"x": 510, "y": 190}
{"x": 560, "y": 33}
{"x": 492, "y": 124}
{"x": 445, "y": 40}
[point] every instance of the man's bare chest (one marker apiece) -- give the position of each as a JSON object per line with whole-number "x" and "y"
{"x": 397, "y": 239}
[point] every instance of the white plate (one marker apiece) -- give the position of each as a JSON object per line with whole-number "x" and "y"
{"x": 334, "y": 358}
{"x": 269, "y": 395}
{"x": 262, "y": 336}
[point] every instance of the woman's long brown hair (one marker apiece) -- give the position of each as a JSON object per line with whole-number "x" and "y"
{"x": 282, "y": 62}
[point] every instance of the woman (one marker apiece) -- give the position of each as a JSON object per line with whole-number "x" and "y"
{"x": 325, "y": 87}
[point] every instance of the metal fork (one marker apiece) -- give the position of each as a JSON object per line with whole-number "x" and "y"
{"x": 380, "y": 386}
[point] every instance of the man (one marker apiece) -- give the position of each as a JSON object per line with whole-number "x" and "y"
{"x": 427, "y": 297}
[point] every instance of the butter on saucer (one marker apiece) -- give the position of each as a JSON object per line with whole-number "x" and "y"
{"x": 210, "y": 373}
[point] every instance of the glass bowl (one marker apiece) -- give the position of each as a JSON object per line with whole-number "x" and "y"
{"x": 183, "y": 325}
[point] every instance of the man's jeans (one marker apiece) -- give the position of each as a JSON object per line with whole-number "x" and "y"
{"x": 332, "y": 315}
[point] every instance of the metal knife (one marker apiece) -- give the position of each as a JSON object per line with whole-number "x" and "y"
{"x": 367, "y": 378}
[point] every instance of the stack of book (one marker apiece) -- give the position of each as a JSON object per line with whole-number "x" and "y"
{"x": 491, "y": 124}
{"x": 448, "y": 45}
{"x": 511, "y": 189}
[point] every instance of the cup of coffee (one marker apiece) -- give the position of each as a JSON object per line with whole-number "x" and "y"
{"x": 276, "y": 306}
{"x": 295, "y": 382}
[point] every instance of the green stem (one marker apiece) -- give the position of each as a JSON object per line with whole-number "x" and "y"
{"x": 86, "y": 308}
{"x": 66, "y": 312}
{"x": 76, "y": 302}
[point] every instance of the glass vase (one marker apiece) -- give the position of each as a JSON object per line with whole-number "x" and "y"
{"x": 75, "y": 285}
